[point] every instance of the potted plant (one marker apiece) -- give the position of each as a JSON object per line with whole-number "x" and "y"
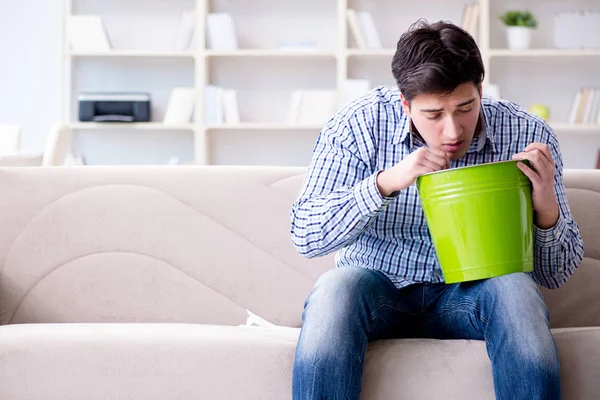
{"x": 519, "y": 27}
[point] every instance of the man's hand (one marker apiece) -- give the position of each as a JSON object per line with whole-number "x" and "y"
{"x": 542, "y": 179}
{"x": 404, "y": 174}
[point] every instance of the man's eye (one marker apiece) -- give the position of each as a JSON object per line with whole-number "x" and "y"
{"x": 465, "y": 111}
{"x": 434, "y": 117}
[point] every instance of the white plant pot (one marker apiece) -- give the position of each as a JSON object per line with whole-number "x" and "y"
{"x": 519, "y": 37}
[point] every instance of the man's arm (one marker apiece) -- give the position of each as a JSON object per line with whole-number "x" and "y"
{"x": 339, "y": 196}
{"x": 558, "y": 245}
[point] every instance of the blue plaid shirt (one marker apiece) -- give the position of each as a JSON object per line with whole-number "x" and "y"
{"x": 340, "y": 207}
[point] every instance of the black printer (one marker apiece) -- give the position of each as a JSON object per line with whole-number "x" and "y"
{"x": 114, "y": 107}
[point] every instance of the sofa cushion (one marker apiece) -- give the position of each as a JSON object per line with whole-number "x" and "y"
{"x": 184, "y": 361}
{"x": 576, "y": 302}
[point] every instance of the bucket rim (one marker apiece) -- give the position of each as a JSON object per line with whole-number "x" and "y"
{"x": 473, "y": 166}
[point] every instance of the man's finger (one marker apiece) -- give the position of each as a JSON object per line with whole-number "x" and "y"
{"x": 533, "y": 177}
{"x": 443, "y": 162}
{"x": 542, "y": 148}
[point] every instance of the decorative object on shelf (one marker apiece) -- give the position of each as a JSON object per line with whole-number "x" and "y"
{"x": 598, "y": 161}
{"x": 363, "y": 29}
{"x": 519, "y": 28}
{"x": 540, "y": 110}
{"x": 181, "y": 105}
{"x": 585, "y": 108}
{"x": 577, "y": 30}
{"x": 220, "y": 32}
{"x": 114, "y": 107}
{"x": 470, "y": 18}
{"x": 87, "y": 33}
{"x": 312, "y": 106}
{"x": 186, "y": 30}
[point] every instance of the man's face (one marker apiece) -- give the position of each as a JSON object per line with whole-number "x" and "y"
{"x": 447, "y": 122}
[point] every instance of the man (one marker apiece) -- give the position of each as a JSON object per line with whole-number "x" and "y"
{"x": 359, "y": 198}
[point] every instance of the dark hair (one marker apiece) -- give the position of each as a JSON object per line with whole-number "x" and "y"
{"x": 435, "y": 58}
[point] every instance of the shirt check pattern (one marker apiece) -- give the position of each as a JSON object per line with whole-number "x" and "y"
{"x": 340, "y": 208}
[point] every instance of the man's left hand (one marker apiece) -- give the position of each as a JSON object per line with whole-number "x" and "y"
{"x": 542, "y": 180}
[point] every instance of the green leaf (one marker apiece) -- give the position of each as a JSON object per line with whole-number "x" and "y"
{"x": 518, "y": 18}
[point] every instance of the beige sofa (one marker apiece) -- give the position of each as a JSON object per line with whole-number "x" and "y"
{"x": 131, "y": 283}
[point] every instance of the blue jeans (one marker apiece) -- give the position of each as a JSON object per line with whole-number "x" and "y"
{"x": 351, "y": 306}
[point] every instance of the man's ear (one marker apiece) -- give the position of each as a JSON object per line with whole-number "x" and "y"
{"x": 480, "y": 88}
{"x": 405, "y": 105}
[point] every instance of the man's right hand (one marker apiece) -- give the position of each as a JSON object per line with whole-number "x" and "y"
{"x": 404, "y": 174}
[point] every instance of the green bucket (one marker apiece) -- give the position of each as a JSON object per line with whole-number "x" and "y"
{"x": 481, "y": 220}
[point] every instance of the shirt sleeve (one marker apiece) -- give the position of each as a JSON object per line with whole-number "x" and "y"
{"x": 339, "y": 197}
{"x": 558, "y": 251}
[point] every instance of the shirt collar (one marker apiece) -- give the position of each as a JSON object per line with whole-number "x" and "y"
{"x": 404, "y": 131}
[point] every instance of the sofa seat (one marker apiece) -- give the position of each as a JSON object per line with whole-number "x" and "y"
{"x": 195, "y": 361}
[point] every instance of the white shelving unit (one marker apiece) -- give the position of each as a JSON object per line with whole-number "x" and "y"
{"x": 335, "y": 62}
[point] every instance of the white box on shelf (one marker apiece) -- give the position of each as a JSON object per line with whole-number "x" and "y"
{"x": 181, "y": 105}
{"x": 87, "y": 33}
{"x": 220, "y": 32}
{"x": 577, "y": 30}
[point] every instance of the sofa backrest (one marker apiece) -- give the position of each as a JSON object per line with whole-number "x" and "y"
{"x": 191, "y": 244}
{"x": 151, "y": 244}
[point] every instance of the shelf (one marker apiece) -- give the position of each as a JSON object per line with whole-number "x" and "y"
{"x": 371, "y": 52}
{"x": 577, "y": 128}
{"x": 256, "y": 126}
{"x": 131, "y": 53}
{"x": 269, "y": 53}
{"x": 130, "y": 125}
{"x": 543, "y": 53}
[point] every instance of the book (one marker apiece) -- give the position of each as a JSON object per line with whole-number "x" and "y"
{"x": 355, "y": 29}
{"x": 598, "y": 161}
{"x": 181, "y": 106}
{"x": 369, "y": 31}
{"x": 220, "y": 32}
{"x": 230, "y": 106}
{"x": 470, "y": 18}
{"x": 186, "y": 30}
{"x": 87, "y": 33}
{"x": 575, "y": 107}
{"x": 213, "y": 105}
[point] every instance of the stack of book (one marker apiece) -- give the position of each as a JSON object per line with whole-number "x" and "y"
{"x": 585, "y": 108}
{"x": 220, "y": 106}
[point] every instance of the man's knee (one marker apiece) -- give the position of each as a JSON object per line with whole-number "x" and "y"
{"x": 340, "y": 292}
{"x": 515, "y": 300}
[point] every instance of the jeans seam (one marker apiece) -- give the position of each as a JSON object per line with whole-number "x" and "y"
{"x": 456, "y": 308}
{"x": 380, "y": 305}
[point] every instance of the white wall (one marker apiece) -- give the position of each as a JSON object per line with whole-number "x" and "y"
{"x": 30, "y": 72}
{"x": 30, "y": 68}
